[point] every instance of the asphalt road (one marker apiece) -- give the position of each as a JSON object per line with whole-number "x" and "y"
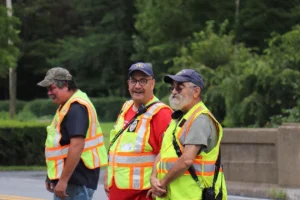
{"x": 30, "y": 186}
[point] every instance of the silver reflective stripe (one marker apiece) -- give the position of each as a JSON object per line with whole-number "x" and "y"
{"x": 110, "y": 158}
{"x": 206, "y": 168}
{"x": 57, "y": 138}
{"x": 59, "y": 167}
{"x": 143, "y": 128}
{"x": 134, "y": 159}
{"x": 198, "y": 167}
{"x": 64, "y": 150}
{"x": 136, "y": 177}
{"x": 96, "y": 157}
{"x": 140, "y": 136}
{"x": 153, "y": 108}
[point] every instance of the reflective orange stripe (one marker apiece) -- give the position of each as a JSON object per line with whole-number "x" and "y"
{"x": 145, "y": 138}
{"x": 130, "y": 175}
{"x": 142, "y": 175}
{"x": 163, "y": 171}
{"x": 132, "y": 153}
{"x": 149, "y": 164}
{"x": 68, "y": 145}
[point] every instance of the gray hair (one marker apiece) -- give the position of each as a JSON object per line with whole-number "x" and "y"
{"x": 192, "y": 86}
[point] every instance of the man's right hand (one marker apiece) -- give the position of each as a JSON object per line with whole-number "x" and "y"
{"x": 157, "y": 189}
{"x": 49, "y": 186}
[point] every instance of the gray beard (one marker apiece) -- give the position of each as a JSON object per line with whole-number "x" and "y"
{"x": 178, "y": 102}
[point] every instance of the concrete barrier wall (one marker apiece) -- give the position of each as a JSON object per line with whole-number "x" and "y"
{"x": 262, "y": 155}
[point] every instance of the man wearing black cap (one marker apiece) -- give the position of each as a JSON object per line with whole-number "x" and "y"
{"x": 74, "y": 147}
{"x": 188, "y": 166}
{"x": 136, "y": 138}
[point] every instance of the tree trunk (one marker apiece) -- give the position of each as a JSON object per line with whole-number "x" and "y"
{"x": 12, "y": 92}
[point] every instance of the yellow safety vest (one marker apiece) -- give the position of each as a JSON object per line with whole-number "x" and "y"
{"x": 184, "y": 187}
{"x": 94, "y": 152}
{"x": 131, "y": 157}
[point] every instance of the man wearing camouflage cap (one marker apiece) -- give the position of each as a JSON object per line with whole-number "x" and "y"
{"x": 188, "y": 166}
{"x": 74, "y": 147}
{"x": 136, "y": 137}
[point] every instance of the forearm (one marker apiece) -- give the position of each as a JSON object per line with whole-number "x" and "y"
{"x": 178, "y": 169}
{"x": 73, "y": 158}
{"x": 182, "y": 164}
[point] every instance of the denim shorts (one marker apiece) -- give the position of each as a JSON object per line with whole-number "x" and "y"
{"x": 77, "y": 192}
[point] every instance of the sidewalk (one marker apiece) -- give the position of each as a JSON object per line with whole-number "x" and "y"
{"x": 261, "y": 190}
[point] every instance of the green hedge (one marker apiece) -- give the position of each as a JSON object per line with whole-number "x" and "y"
{"x": 41, "y": 107}
{"x": 22, "y": 143}
{"x": 107, "y": 108}
{"x": 4, "y": 105}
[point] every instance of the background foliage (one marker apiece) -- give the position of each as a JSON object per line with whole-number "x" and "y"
{"x": 249, "y": 59}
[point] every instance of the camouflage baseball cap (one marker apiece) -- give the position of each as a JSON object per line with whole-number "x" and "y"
{"x": 53, "y": 74}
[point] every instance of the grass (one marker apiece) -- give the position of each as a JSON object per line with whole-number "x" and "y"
{"x": 106, "y": 128}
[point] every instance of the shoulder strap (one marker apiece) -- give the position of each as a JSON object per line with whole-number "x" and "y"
{"x": 142, "y": 109}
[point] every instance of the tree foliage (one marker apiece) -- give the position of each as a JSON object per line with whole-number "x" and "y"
{"x": 8, "y": 38}
{"x": 242, "y": 87}
{"x": 249, "y": 59}
{"x": 103, "y": 47}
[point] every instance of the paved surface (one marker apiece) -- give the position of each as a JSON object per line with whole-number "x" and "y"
{"x": 30, "y": 186}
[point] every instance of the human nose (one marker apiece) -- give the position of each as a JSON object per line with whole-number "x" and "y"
{"x": 173, "y": 90}
{"x": 138, "y": 84}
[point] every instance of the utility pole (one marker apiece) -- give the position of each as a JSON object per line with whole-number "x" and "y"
{"x": 12, "y": 74}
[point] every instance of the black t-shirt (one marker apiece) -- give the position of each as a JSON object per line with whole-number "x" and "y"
{"x": 75, "y": 124}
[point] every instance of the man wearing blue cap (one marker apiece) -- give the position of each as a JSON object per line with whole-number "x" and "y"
{"x": 136, "y": 138}
{"x": 188, "y": 166}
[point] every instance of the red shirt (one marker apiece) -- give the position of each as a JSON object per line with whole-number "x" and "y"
{"x": 158, "y": 125}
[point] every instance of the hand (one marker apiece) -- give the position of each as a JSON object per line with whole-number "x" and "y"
{"x": 49, "y": 186}
{"x": 150, "y": 194}
{"x": 60, "y": 189}
{"x": 157, "y": 188}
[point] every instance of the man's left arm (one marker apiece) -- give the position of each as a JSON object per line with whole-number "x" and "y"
{"x": 182, "y": 164}
{"x": 73, "y": 157}
{"x": 196, "y": 139}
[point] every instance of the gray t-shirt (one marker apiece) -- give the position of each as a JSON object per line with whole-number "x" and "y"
{"x": 203, "y": 132}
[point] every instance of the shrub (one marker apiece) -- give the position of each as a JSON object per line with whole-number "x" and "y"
{"x": 108, "y": 108}
{"x": 41, "y": 107}
{"x": 4, "y": 105}
{"x": 22, "y": 143}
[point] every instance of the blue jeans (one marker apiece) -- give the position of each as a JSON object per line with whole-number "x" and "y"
{"x": 77, "y": 192}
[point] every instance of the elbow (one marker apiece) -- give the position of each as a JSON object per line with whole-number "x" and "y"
{"x": 188, "y": 163}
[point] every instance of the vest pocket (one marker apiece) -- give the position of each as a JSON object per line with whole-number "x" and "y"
{"x": 51, "y": 132}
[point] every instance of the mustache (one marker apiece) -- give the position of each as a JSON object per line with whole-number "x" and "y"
{"x": 175, "y": 96}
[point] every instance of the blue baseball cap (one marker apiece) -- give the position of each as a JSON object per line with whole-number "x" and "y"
{"x": 186, "y": 75}
{"x": 143, "y": 67}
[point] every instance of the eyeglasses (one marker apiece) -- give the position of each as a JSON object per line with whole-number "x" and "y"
{"x": 179, "y": 88}
{"x": 142, "y": 81}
